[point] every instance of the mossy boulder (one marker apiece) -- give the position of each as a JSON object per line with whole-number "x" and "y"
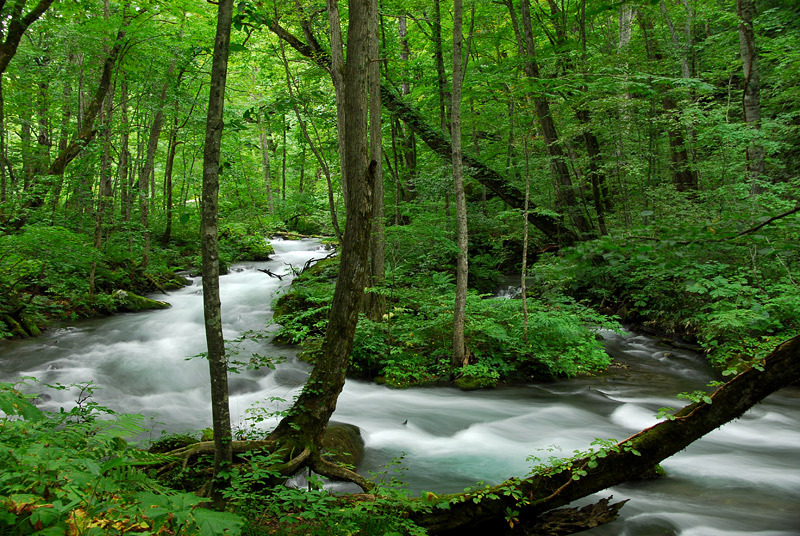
{"x": 133, "y": 303}
{"x": 343, "y": 443}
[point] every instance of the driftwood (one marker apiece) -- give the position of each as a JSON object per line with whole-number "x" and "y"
{"x": 271, "y": 273}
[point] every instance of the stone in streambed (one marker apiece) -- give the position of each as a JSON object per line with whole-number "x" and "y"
{"x": 133, "y": 303}
{"x": 342, "y": 443}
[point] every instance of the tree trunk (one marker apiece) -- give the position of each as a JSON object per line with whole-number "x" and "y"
{"x": 375, "y": 303}
{"x": 305, "y": 424}
{"x": 684, "y": 177}
{"x": 566, "y": 200}
{"x": 168, "y": 168}
{"x": 441, "y": 76}
{"x": 459, "y": 357}
{"x": 217, "y": 363}
{"x": 124, "y": 165}
{"x": 146, "y": 172}
{"x": 263, "y": 138}
{"x": 751, "y": 97}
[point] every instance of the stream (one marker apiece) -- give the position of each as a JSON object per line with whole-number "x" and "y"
{"x": 743, "y": 478}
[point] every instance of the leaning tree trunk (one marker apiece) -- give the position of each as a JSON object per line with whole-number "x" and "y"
{"x": 307, "y": 420}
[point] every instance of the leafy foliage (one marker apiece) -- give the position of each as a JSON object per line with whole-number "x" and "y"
{"x": 74, "y": 473}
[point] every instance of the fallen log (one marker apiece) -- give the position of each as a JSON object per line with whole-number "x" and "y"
{"x": 529, "y": 498}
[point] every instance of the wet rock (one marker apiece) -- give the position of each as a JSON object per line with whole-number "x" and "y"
{"x": 343, "y": 443}
{"x": 129, "y": 302}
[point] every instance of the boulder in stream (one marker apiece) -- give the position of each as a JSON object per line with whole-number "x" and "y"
{"x": 133, "y": 303}
{"x": 343, "y": 443}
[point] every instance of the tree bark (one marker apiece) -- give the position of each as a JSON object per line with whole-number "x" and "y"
{"x": 751, "y": 96}
{"x": 305, "y": 424}
{"x": 217, "y": 362}
{"x": 459, "y": 357}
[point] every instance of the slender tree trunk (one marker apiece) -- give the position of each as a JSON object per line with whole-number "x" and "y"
{"x": 566, "y": 200}
{"x": 124, "y": 165}
{"x": 168, "y": 168}
{"x": 751, "y": 97}
{"x": 376, "y": 304}
{"x": 263, "y": 138}
{"x": 3, "y": 185}
{"x": 460, "y": 355}
{"x": 283, "y": 160}
{"x": 146, "y": 172}
{"x": 524, "y": 269}
{"x": 217, "y": 362}
{"x": 684, "y": 176}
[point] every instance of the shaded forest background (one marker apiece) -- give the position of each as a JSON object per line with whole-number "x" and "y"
{"x": 658, "y": 140}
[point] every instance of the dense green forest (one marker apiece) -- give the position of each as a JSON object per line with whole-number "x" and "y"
{"x": 621, "y": 162}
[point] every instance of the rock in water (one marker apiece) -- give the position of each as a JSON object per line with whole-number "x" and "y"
{"x": 343, "y": 443}
{"x": 133, "y": 303}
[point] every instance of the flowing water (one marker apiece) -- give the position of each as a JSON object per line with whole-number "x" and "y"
{"x": 741, "y": 479}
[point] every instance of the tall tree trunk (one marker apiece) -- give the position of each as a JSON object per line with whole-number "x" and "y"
{"x": 307, "y": 420}
{"x": 168, "y": 168}
{"x": 105, "y": 192}
{"x": 751, "y": 97}
{"x": 566, "y": 200}
{"x": 263, "y": 138}
{"x": 376, "y": 304}
{"x": 146, "y": 172}
{"x": 460, "y": 356}
{"x": 217, "y": 362}
{"x": 3, "y": 185}
{"x": 124, "y": 174}
{"x": 684, "y": 177}
{"x": 441, "y": 75}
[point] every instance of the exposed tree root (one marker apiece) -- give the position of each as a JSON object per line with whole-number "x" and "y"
{"x": 337, "y": 472}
